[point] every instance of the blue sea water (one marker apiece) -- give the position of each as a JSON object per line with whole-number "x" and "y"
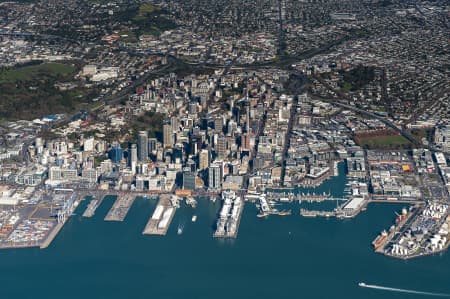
{"x": 273, "y": 257}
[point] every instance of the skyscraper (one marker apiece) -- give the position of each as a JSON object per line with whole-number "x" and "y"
{"x": 221, "y": 147}
{"x": 204, "y": 159}
{"x": 152, "y": 144}
{"x": 192, "y": 108}
{"x": 188, "y": 179}
{"x": 245, "y": 141}
{"x": 218, "y": 124}
{"x": 247, "y": 124}
{"x": 168, "y": 135}
{"x": 195, "y": 145}
{"x": 115, "y": 153}
{"x": 174, "y": 123}
{"x": 142, "y": 146}
{"x": 133, "y": 153}
{"x": 215, "y": 176}
{"x": 132, "y": 157}
{"x": 191, "y": 165}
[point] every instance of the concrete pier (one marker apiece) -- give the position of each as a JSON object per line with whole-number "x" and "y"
{"x": 160, "y": 221}
{"x": 52, "y": 235}
{"x": 55, "y": 230}
{"x": 92, "y": 207}
{"x": 120, "y": 209}
{"x": 229, "y": 218}
{"x": 314, "y": 213}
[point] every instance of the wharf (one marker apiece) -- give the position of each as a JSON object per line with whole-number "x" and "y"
{"x": 315, "y": 213}
{"x": 52, "y": 235}
{"x": 120, "y": 209}
{"x": 228, "y": 227}
{"x": 309, "y": 197}
{"x": 12, "y": 245}
{"x": 90, "y": 210}
{"x": 397, "y": 229}
{"x": 54, "y": 232}
{"x": 281, "y": 213}
{"x": 275, "y": 212}
{"x": 412, "y": 202}
{"x": 160, "y": 221}
{"x": 318, "y": 198}
{"x": 92, "y": 207}
{"x": 238, "y": 221}
{"x": 149, "y": 193}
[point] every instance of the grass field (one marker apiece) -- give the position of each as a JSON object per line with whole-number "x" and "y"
{"x": 144, "y": 11}
{"x": 29, "y": 92}
{"x": 147, "y": 8}
{"x": 150, "y": 20}
{"x": 128, "y": 36}
{"x": 383, "y": 142}
{"x": 30, "y": 73}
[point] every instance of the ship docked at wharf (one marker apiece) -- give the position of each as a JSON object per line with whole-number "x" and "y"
{"x": 230, "y": 215}
{"x": 380, "y": 240}
{"x": 419, "y": 230}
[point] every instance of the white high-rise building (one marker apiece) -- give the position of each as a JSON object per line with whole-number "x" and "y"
{"x": 132, "y": 158}
{"x": 204, "y": 159}
{"x": 142, "y": 146}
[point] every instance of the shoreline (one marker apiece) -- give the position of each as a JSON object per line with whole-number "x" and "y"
{"x": 52, "y": 235}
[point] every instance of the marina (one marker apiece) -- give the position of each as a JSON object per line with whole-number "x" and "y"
{"x": 227, "y": 225}
{"x": 161, "y": 218}
{"x": 120, "y": 209}
{"x": 265, "y": 206}
{"x": 301, "y": 196}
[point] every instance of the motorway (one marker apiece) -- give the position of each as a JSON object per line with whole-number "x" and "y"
{"x": 174, "y": 64}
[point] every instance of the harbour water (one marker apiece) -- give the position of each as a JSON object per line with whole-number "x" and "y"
{"x": 273, "y": 257}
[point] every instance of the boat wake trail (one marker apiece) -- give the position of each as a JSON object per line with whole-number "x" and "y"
{"x": 372, "y": 286}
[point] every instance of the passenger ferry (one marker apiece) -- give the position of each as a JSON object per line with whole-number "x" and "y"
{"x": 180, "y": 228}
